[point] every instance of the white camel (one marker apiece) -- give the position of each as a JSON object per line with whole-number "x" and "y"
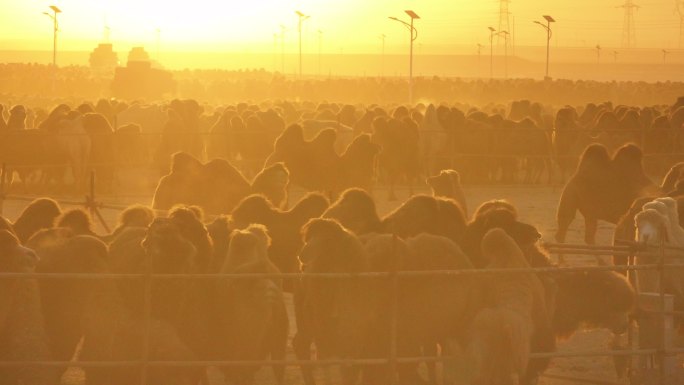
{"x": 658, "y": 224}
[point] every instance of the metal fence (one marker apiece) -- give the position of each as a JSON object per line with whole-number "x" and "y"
{"x": 662, "y": 350}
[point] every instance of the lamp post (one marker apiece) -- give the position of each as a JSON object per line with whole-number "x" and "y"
{"x": 282, "y": 49}
{"x": 302, "y": 17}
{"x": 491, "y": 52}
{"x": 382, "y": 58}
{"x": 53, "y": 16}
{"x": 665, "y": 53}
{"x": 275, "y": 52}
{"x": 158, "y": 44}
{"x": 320, "y": 50}
{"x": 549, "y": 33}
{"x": 505, "y": 35}
{"x": 479, "y": 57}
{"x": 414, "y": 36}
{"x": 598, "y": 54}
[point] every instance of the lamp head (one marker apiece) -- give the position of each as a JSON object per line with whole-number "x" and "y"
{"x": 412, "y": 14}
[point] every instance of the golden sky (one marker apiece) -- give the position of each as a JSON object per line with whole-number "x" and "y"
{"x": 347, "y": 25}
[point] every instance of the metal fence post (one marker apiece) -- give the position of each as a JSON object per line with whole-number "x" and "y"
{"x": 394, "y": 310}
{"x": 91, "y": 203}
{"x": 3, "y": 177}
{"x": 667, "y": 365}
{"x": 147, "y": 320}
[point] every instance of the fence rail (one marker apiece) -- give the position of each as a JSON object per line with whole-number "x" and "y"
{"x": 657, "y": 254}
{"x": 393, "y": 277}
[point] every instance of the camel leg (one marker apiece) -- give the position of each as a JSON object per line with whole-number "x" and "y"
{"x": 430, "y": 350}
{"x": 391, "y": 195}
{"x": 278, "y": 350}
{"x": 567, "y": 208}
{"x": 302, "y": 346}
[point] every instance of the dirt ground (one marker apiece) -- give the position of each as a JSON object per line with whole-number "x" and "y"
{"x": 537, "y": 205}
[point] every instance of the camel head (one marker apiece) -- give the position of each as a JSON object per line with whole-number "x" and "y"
{"x": 652, "y": 227}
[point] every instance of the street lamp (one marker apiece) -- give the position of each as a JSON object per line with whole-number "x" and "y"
{"x": 53, "y": 16}
{"x": 491, "y": 52}
{"x": 505, "y": 35}
{"x": 549, "y": 33}
{"x": 598, "y": 54}
{"x": 665, "y": 53}
{"x": 302, "y": 17}
{"x": 414, "y": 36}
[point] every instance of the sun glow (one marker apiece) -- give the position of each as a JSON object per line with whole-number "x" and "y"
{"x": 253, "y": 26}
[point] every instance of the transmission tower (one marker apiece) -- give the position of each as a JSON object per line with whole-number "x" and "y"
{"x": 504, "y": 20}
{"x": 628, "y": 29}
{"x": 679, "y": 9}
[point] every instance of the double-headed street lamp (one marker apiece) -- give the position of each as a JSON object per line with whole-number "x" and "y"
{"x": 414, "y": 36}
{"x": 505, "y": 35}
{"x": 549, "y": 33}
{"x": 53, "y": 16}
{"x": 302, "y": 17}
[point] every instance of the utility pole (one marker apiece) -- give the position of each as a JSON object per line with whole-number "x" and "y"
{"x": 382, "y": 57}
{"x": 302, "y": 17}
{"x": 680, "y": 11}
{"x": 320, "y": 50}
{"x": 479, "y": 56}
{"x": 504, "y": 20}
{"x": 491, "y": 52}
{"x": 282, "y": 49}
{"x": 158, "y": 44}
{"x": 275, "y": 52}
{"x": 628, "y": 29}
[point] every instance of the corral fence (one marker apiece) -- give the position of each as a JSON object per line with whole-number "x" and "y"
{"x": 651, "y": 352}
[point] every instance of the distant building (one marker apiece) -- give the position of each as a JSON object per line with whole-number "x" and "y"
{"x": 140, "y": 80}
{"x": 138, "y": 55}
{"x": 103, "y": 57}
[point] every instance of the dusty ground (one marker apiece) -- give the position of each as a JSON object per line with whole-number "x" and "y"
{"x": 536, "y": 206}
